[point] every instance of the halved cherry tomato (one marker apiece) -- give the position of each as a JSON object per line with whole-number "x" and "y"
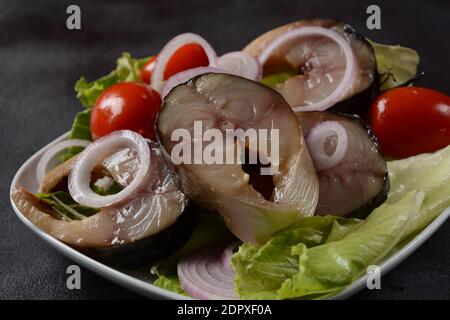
{"x": 127, "y": 105}
{"x": 186, "y": 57}
{"x": 147, "y": 70}
{"x": 411, "y": 120}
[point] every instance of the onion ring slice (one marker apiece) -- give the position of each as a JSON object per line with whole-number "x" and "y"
{"x": 350, "y": 65}
{"x": 170, "y": 48}
{"x": 80, "y": 177}
{"x": 184, "y": 76}
{"x": 204, "y": 275}
{"x": 316, "y": 141}
{"x": 241, "y": 64}
{"x": 41, "y": 169}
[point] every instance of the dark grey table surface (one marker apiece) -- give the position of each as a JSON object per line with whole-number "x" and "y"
{"x": 41, "y": 60}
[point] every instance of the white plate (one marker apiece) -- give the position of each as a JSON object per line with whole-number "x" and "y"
{"x": 140, "y": 281}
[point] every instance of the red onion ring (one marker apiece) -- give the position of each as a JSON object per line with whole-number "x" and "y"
{"x": 184, "y": 76}
{"x": 204, "y": 275}
{"x": 350, "y": 65}
{"x": 241, "y": 64}
{"x": 170, "y": 48}
{"x": 316, "y": 144}
{"x": 49, "y": 155}
{"x": 80, "y": 177}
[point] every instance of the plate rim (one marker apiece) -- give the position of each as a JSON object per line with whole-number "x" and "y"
{"x": 149, "y": 290}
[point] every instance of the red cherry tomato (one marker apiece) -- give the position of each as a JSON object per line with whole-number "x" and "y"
{"x": 127, "y": 105}
{"x": 186, "y": 57}
{"x": 147, "y": 70}
{"x": 411, "y": 120}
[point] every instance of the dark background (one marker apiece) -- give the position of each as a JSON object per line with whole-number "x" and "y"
{"x": 40, "y": 60}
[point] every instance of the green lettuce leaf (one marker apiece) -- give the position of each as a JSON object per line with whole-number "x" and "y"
{"x": 80, "y": 130}
{"x": 65, "y": 206}
{"x": 428, "y": 172}
{"x": 287, "y": 267}
{"x": 170, "y": 282}
{"x": 68, "y": 209}
{"x": 396, "y": 65}
{"x": 274, "y": 79}
{"x": 81, "y": 126}
{"x": 127, "y": 69}
{"x": 330, "y": 267}
{"x": 260, "y": 271}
